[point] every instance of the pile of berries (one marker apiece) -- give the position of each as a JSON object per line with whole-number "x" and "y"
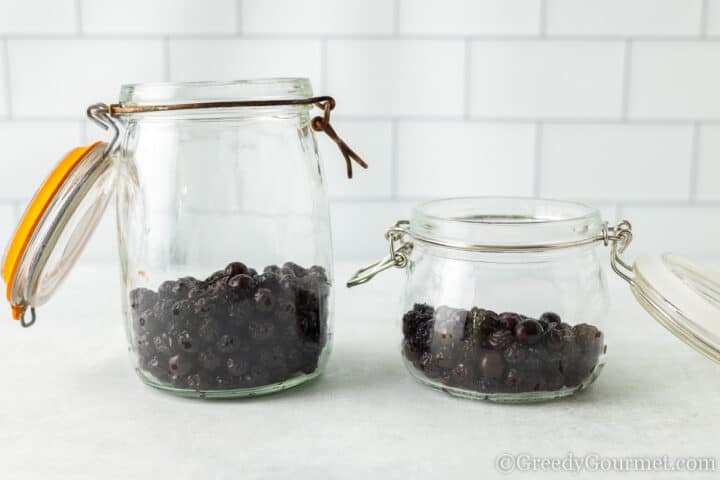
{"x": 486, "y": 352}
{"x": 235, "y": 329}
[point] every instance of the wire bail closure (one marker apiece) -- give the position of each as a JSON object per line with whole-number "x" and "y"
{"x": 618, "y": 238}
{"x": 319, "y": 124}
{"x": 398, "y": 257}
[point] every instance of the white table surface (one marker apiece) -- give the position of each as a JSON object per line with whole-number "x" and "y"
{"x": 71, "y": 406}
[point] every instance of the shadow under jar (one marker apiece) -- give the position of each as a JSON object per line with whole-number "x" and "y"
{"x": 505, "y": 298}
{"x": 223, "y": 228}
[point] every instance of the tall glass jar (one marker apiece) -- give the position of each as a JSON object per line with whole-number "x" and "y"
{"x": 224, "y": 232}
{"x": 505, "y": 298}
{"x": 225, "y": 242}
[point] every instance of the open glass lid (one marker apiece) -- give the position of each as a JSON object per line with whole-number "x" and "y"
{"x": 54, "y": 229}
{"x": 683, "y": 296}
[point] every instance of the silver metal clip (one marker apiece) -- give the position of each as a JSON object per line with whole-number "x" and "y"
{"x": 619, "y": 238}
{"x": 99, "y": 113}
{"x": 398, "y": 256}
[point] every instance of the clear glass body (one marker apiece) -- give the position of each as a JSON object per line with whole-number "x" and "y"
{"x": 225, "y": 240}
{"x": 511, "y": 325}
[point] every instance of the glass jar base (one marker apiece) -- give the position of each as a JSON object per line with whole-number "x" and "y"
{"x": 231, "y": 393}
{"x": 519, "y": 397}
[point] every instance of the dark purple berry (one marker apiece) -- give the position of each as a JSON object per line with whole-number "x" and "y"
{"x": 204, "y": 306}
{"x": 256, "y": 376}
{"x": 142, "y": 299}
{"x": 424, "y": 309}
{"x": 186, "y": 342}
{"x": 273, "y": 358}
{"x": 222, "y": 382}
{"x": 286, "y": 310}
{"x": 588, "y": 337}
{"x": 267, "y": 280}
{"x": 235, "y": 268}
{"x": 242, "y": 282}
{"x": 144, "y": 345}
{"x": 179, "y": 365}
{"x": 500, "y": 339}
{"x": 167, "y": 289}
{"x": 237, "y": 365}
{"x": 509, "y": 320}
{"x": 515, "y": 354}
{"x": 215, "y": 276}
{"x": 207, "y": 331}
{"x": 528, "y": 331}
{"x": 228, "y": 343}
{"x": 261, "y": 330}
{"x": 264, "y": 300}
{"x": 209, "y": 360}
{"x": 163, "y": 343}
{"x": 491, "y": 365}
{"x": 272, "y": 269}
{"x": 297, "y": 269}
{"x": 198, "y": 381}
{"x": 146, "y": 319}
{"x": 550, "y": 317}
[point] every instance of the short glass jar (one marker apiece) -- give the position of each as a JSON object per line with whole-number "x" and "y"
{"x": 223, "y": 226}
{"x": 505, "y": 298}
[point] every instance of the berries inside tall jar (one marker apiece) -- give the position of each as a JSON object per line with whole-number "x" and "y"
{"x": 236, "y": 329}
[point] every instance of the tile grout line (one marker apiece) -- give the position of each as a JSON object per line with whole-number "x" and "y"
{"x": 396, "y": 18}
{"x": 238, "y": 17}
{"x": 166, "y": 57}
{"x": 6, "y": 77}
{"x": 394, "y": 161}
{"x": 324, "y": 63}
{"x": 78, "y": 17}
{"x": 710, "y": 38}
{"x": 537, "y": 154}
{"x": 626, "y": 79}
{"x": 467, "y": 78}
{"x": 694, "y": 163}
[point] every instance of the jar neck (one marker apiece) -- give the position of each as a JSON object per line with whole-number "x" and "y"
{"x": 199, "y": 92}
{"x": 497, "y": 223}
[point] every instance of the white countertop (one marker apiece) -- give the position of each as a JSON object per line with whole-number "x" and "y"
{"x": 72, "y": 407}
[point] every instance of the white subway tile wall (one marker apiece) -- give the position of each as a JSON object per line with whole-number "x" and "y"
{"x": 546, "y": 79}
{"x": 613, "y": 102}
{"x": 469, "y": 17}
{"x": 708, "y": 173}
{"x": 608, "y": 18}
{"x": 495, "y": 159}
{"x": 163, "y": 17}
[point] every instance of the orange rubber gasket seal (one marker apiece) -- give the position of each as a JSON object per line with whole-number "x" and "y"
{"x": 32, "y": 217}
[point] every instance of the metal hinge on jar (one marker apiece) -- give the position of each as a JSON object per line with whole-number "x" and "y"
{"x": 617, "y": 237}
{"x": 398, "y": 257}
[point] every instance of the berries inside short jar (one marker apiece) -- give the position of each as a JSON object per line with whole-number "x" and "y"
{"x": 486, "y": 352}
{"x": 236, "y": 329}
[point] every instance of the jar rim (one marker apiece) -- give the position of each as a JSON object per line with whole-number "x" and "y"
{"x": 154, "y": 93}
{"x": 495, "y": 221}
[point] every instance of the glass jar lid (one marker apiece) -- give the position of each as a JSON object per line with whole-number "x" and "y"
{"x": 56, "y": 226}
{"x": 682, "y": 296}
